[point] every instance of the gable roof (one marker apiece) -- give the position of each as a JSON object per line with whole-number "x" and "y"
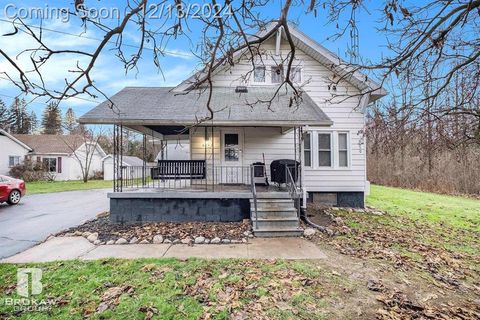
{"x": 49, "y": 143}
{"x": 162, "y": 106}
{"x": 11, "y": 137}
{"x": 316, "y": 51}
{"x": 128, "y": 160}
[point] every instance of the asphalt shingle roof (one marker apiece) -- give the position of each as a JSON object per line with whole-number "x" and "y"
{"x": 49, "y": 143}
{"x": 161, "y": 106}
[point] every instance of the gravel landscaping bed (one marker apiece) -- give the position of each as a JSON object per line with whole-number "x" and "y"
{"x": 102, "y": 231}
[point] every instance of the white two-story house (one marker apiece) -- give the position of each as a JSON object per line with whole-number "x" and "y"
{"x": 323, "y": 134}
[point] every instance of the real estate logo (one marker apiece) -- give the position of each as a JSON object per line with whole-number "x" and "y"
{"x": 29, "y": 281}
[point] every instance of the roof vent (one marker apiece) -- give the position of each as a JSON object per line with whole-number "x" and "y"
{"x": 241, "y": 89}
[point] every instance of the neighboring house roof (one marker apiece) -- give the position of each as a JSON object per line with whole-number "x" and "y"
{"x": 128, "y": 160}
{"x": 162, "y": 106}
{"x": 49, "y": 143}
{"x": 316, "y": 51}
{"x": 11, "y": 137}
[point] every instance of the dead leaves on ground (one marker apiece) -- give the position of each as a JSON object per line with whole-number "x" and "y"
{"x": 398, "y": 306}
{"x": 252, "y": 294}
{"x": 111, "y": 297}
{"x": 412, "y": 246}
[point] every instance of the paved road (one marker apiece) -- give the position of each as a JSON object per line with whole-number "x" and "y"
{"x": 37, "y": 216}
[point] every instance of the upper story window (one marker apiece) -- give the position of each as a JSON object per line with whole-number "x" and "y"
{"x": 296, "y": 74}
{"x": 307, "y": 150}
{"x": 277, "y": 74}
{"x": 343, "y": 150}
{"x": 324, "y": 150}
{"x": 259, "y": 74}
{"x": 13, "y": 161}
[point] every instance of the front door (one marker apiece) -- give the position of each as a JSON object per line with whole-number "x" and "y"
{"x": 232, "y": 171}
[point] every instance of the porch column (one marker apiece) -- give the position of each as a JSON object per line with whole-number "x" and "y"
{"x": 144, "y": 168}
{"x": 302, "y": 169}
{"x": 213, "y": 160}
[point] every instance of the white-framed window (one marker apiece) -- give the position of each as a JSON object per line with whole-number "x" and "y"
{"x": 325, "y": 149}
{"x": 277, "y": 74}
{"x": 307, "y": 149}
{"x": 13, "y": 161}
{"x": 296, "y": 74}
{"x": 343, "y": 158}
{"x": 50, "y": 164}
{"x": 259, "y": 74}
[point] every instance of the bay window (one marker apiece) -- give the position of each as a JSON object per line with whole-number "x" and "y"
{"x": 324, "y": 150}
{"x": 307, "y": 149}
{"x": 343, "y": 150}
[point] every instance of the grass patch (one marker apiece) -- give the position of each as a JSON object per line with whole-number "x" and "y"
{"x": 419, "y": 231}
{"x": 173, "y": 289}
{"x": 458, "y": 212}
{"x": 59, "y": 186}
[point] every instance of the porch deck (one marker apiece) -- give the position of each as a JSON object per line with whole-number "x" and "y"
{"x": 216, "y": 191}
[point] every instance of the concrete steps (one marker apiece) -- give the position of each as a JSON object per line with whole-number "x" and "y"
{"x": 276, "y": 217}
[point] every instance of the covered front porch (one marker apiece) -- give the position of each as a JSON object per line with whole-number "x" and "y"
{"x": 244, "y": 162}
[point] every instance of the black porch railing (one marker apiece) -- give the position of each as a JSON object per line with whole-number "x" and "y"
{"x": 180, "y": 174}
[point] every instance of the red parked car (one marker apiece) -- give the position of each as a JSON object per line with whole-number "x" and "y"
{"x": 11, "y": 190}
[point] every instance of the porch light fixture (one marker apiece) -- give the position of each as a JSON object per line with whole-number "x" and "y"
{"x": 207, "y": 143}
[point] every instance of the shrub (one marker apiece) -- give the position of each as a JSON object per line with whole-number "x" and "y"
{"x": 97, "y": 175}
{"x": 29, "y": 171}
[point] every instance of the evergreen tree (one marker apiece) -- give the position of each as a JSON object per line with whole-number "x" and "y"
{"x": 20, "y": 122}
{"x": 52, "y": 119}
{"x": 6, "y": 118}
{"x": 33, "y": 122}
{"x": 70, "y": 120}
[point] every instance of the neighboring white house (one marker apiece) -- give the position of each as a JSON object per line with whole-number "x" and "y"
{"x": 61, "y": 154}
{"x": 12, "y": 151}
{"x": 128, "y": 161}
{"x": 178, "y": 149}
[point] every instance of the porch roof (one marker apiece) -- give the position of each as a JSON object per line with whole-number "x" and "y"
{"x": 161, "y": 106}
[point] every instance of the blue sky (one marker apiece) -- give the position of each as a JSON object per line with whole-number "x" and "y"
{"x": 109, "y": 74}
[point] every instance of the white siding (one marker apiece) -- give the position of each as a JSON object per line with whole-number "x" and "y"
{"x": 346, "y": 116}
{"x": 9, "y": 148}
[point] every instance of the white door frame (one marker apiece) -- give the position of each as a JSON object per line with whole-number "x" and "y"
{"x": 229, "y": 172}
{"x": 240, "y": 146}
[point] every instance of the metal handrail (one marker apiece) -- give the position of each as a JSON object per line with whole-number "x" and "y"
{"x": 254, "y": 193}
{"x": 293, "y": 190}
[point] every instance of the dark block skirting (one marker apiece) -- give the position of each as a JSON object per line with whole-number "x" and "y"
{"x": 345, "y": 199}
{"x": 131, "y": 210}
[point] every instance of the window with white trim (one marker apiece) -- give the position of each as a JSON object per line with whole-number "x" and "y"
{"x": 277, "y": 74}
{"x": 259, "y": 74}
{"x": 307, "y": 149}
{"x": 324, "y": 150}
{"x": 13, "y": 161}
{"x": 343, "y": 150}
{"x": 50, "y": 164}
{"x": 296, "y": 74}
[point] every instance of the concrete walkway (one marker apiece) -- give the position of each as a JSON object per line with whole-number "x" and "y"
{"x": 70, "y": 248}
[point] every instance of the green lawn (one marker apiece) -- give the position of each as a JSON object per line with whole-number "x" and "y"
{"x": 173, "y": 289}
{"x": 458, "y": 212}
{"x": 59, "y": 186}
{"x": 417, "y": 231}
